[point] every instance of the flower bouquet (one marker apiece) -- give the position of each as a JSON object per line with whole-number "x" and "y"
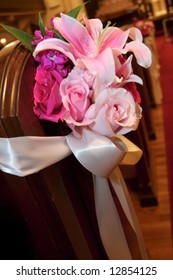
{"x": 85, "y": 81}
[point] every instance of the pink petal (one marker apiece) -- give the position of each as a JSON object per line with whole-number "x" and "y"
{"x": 115, "y": 38}
{"x": 126, "y": 68}
{"x": 93, "y": 26}
{"x": 56, "y": 44}
{"x": 102, "y": 66}
{"x": 76, "y": 34}
{"x": 141, "y": 52}
{"x": 135, "y": 34}
{"x": 133, "y": 78}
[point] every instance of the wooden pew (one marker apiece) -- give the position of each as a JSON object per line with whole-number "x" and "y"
{"x": 56, "y": 210}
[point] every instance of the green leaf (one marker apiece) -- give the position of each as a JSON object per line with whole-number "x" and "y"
{"x": 22, "y": 36}
{"x": 41, "y": 25}
{"x": 57, "y": 35}
{"x": 74, "y": 12}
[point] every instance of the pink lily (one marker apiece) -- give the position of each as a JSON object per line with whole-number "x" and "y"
{"x": 109, "y": 70}
{"x": 124, "y": 73}
{"x": 91, "y": 39}
{"x": 102, "y": 66}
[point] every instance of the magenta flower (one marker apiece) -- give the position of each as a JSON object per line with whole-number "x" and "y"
{"x": 53, "y": 59}
{"x": 39, "y": 37}
{"x": 47, "y": 99}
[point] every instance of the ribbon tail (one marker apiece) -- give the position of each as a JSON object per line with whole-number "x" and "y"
{"x": 118, "y": 225}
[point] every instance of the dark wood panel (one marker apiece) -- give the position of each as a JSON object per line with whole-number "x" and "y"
{"x": 59, "y": 229}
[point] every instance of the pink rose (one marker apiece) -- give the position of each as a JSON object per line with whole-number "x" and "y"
{"x": 87, "y": 76}
{"x": 47, "y": 99}
{"x": 75, "y": 93}
{"x": 114, "y": 112}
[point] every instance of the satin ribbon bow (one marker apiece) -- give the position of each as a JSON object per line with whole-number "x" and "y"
{"x": 23, "y": 156}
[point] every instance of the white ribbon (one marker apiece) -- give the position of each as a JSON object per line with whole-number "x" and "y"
{"x": 110, "y": 227}
{"x": 22, "y": 156}
{"x": 97, "y": 153}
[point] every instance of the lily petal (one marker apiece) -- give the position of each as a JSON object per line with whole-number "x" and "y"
{"x": 141, "y": 52}
{"x": 135, "y": 34}
{"x": 134, "y": 79}
{"x": 115, "y": 38}
{"x": 102, "y": 66}
{"x": 126, "y": 68}
{"x": 94, "y": 27}
{"x": 56, "y": 44}
{"x": 76, "y": 34}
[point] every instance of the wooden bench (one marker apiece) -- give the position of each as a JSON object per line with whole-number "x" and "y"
{"x": 57, "y": 210}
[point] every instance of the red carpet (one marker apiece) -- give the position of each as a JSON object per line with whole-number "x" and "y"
{"x": 165, "y": 53}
